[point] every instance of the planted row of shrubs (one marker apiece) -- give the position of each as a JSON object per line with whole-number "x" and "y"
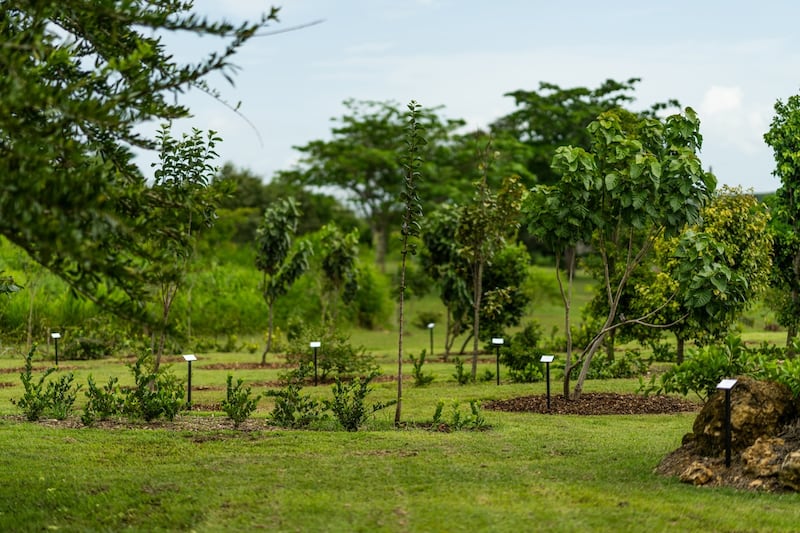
{"x": 160, "y": 394}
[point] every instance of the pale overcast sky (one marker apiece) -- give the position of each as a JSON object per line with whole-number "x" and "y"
{"x": 729, "y": 60}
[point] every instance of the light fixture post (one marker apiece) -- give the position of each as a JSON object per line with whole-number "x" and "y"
{"x": 498, "y": 342}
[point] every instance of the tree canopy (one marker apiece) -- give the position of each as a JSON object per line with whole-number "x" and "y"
{"x": 79, "y": 81}
{"x": 363, "y": 160}
{"x": 553, "y": 116}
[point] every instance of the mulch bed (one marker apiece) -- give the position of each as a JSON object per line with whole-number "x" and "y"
{"x": 596, "y": 403}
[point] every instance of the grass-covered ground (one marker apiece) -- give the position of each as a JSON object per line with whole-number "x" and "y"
{"x": 526, "y": 472}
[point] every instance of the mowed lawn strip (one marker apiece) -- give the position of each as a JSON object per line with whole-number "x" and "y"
{"x": 529, "y": 472}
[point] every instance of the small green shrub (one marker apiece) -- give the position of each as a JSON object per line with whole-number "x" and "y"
{"x": 423, "y": 318}
{"x": 663, "y": 352}
{"x": 155, "y": 394}
{"x": 462, "y": 376}
{"x": 293, "y": 409}
{"x": 86, "y": 348}
{"x": 335, "y": 358}
{"x": 348, "y": 404}
{"x": 239, "y": 402}
{"x": 102, "y": 403}
{"x": 61, "y": 395}
{"x": 420, "y": 378}
{"x": 34, "y": 401}
{"x": 629, "y": 365}
{"x": 474, "y": 420}
{"x": 704, "y": 368}
{"x": 521, "y": 356}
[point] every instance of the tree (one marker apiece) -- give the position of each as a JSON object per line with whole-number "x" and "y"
{"x": 339, "y": 264}
{"x": 642, "y": 179}
{"x": 363, "y": 160}
{"x": 182, "y": 180}
{"x": 484, "y": 226}
{"x": 721, "y": 266}
{"x": 784, "y": 138}
{"x": 703, "y": 279}
{"x": 79, "y": 80}
{"x": 280, "y": 267}
{"x": 410, "y": 229}
{"x": 553, "y": 117}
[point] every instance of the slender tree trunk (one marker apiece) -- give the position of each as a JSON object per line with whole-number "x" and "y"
{"x": 399, "y": 406}
{"x": 680, "y": 347}
{"x": 268, "y": 348}
{"x": 610, "y": 343}
{"x": 587, "y": 361}
{"x": 447, "y": 343}
{"x": 791, "y": 330}
{"x": 477, "y": 283}
{"x": 464, "y": 345}
{"x": 566, "y": 296}
{"x": 31, "y": 301}
{"x": 168, "y": 293}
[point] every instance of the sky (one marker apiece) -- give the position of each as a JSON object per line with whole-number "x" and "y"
{"x": 729, "y": 60}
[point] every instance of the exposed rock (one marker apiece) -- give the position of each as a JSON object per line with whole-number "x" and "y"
{"x": 789, "y": 474}
{"x": 758, "y": 408}
{"x": 764, "y": 457}
{"x": 697, "y": 474}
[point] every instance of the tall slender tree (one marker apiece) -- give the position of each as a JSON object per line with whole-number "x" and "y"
{"x": 485, "y": 225}
{"x": 410, "y": 229}
{"x": 183, "y": 180}
{"x": 274, "y": 257}
{"x": 784, "y": 138}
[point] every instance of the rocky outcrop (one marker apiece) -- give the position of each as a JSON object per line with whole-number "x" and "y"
{"x": 765, "y": 441}
{"x": 758, "y": 409}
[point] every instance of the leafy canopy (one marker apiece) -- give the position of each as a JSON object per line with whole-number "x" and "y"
{"x": 79, "y": 79}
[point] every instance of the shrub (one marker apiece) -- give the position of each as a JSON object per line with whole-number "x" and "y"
{"x": 102, "y": 403}
{"x": 521, "y": 356}
{"x": 155, "y": 394}
{"x": 420, "y": 378}
{"x": 458, "y": 420}
{"x": 704, "y": 368}
{"x": 34, "y": 401}
{"x": 292, "y": 409}
{"x": 336, "y": 357}
{"x": 348, "y": 404}
{"x": 86, "y": 348}
{"x": 628, "y": 365}
{"x": 462, "y": 376}
{"x": 239, "y": 403}
{"x": 60, "y": 396}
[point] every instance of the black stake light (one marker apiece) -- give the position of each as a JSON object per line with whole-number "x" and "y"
{"x": 498, "y": 342}
{"x": 727, "y": 385}
{"x": 189, "y": 358}
{"x": 315, "y": 345}
{"x": 547, "y": 359}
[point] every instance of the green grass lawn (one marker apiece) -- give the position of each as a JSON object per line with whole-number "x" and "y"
{"x": 526, "y": 473}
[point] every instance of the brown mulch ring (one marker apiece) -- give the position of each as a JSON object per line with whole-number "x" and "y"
{"x": 596, "y": 403}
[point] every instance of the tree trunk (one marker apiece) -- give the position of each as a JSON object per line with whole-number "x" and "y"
{"x": 268, "y": 348}
{"x": 610, "y": 343}
{"x": 566, "y": 296}
{"x": 477, "y": 283}
{"x": 679, "y": 349}
{"x": 447, "y": 343}
{"x": 399, "y": 406}
{"x": 587, "y": 361}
